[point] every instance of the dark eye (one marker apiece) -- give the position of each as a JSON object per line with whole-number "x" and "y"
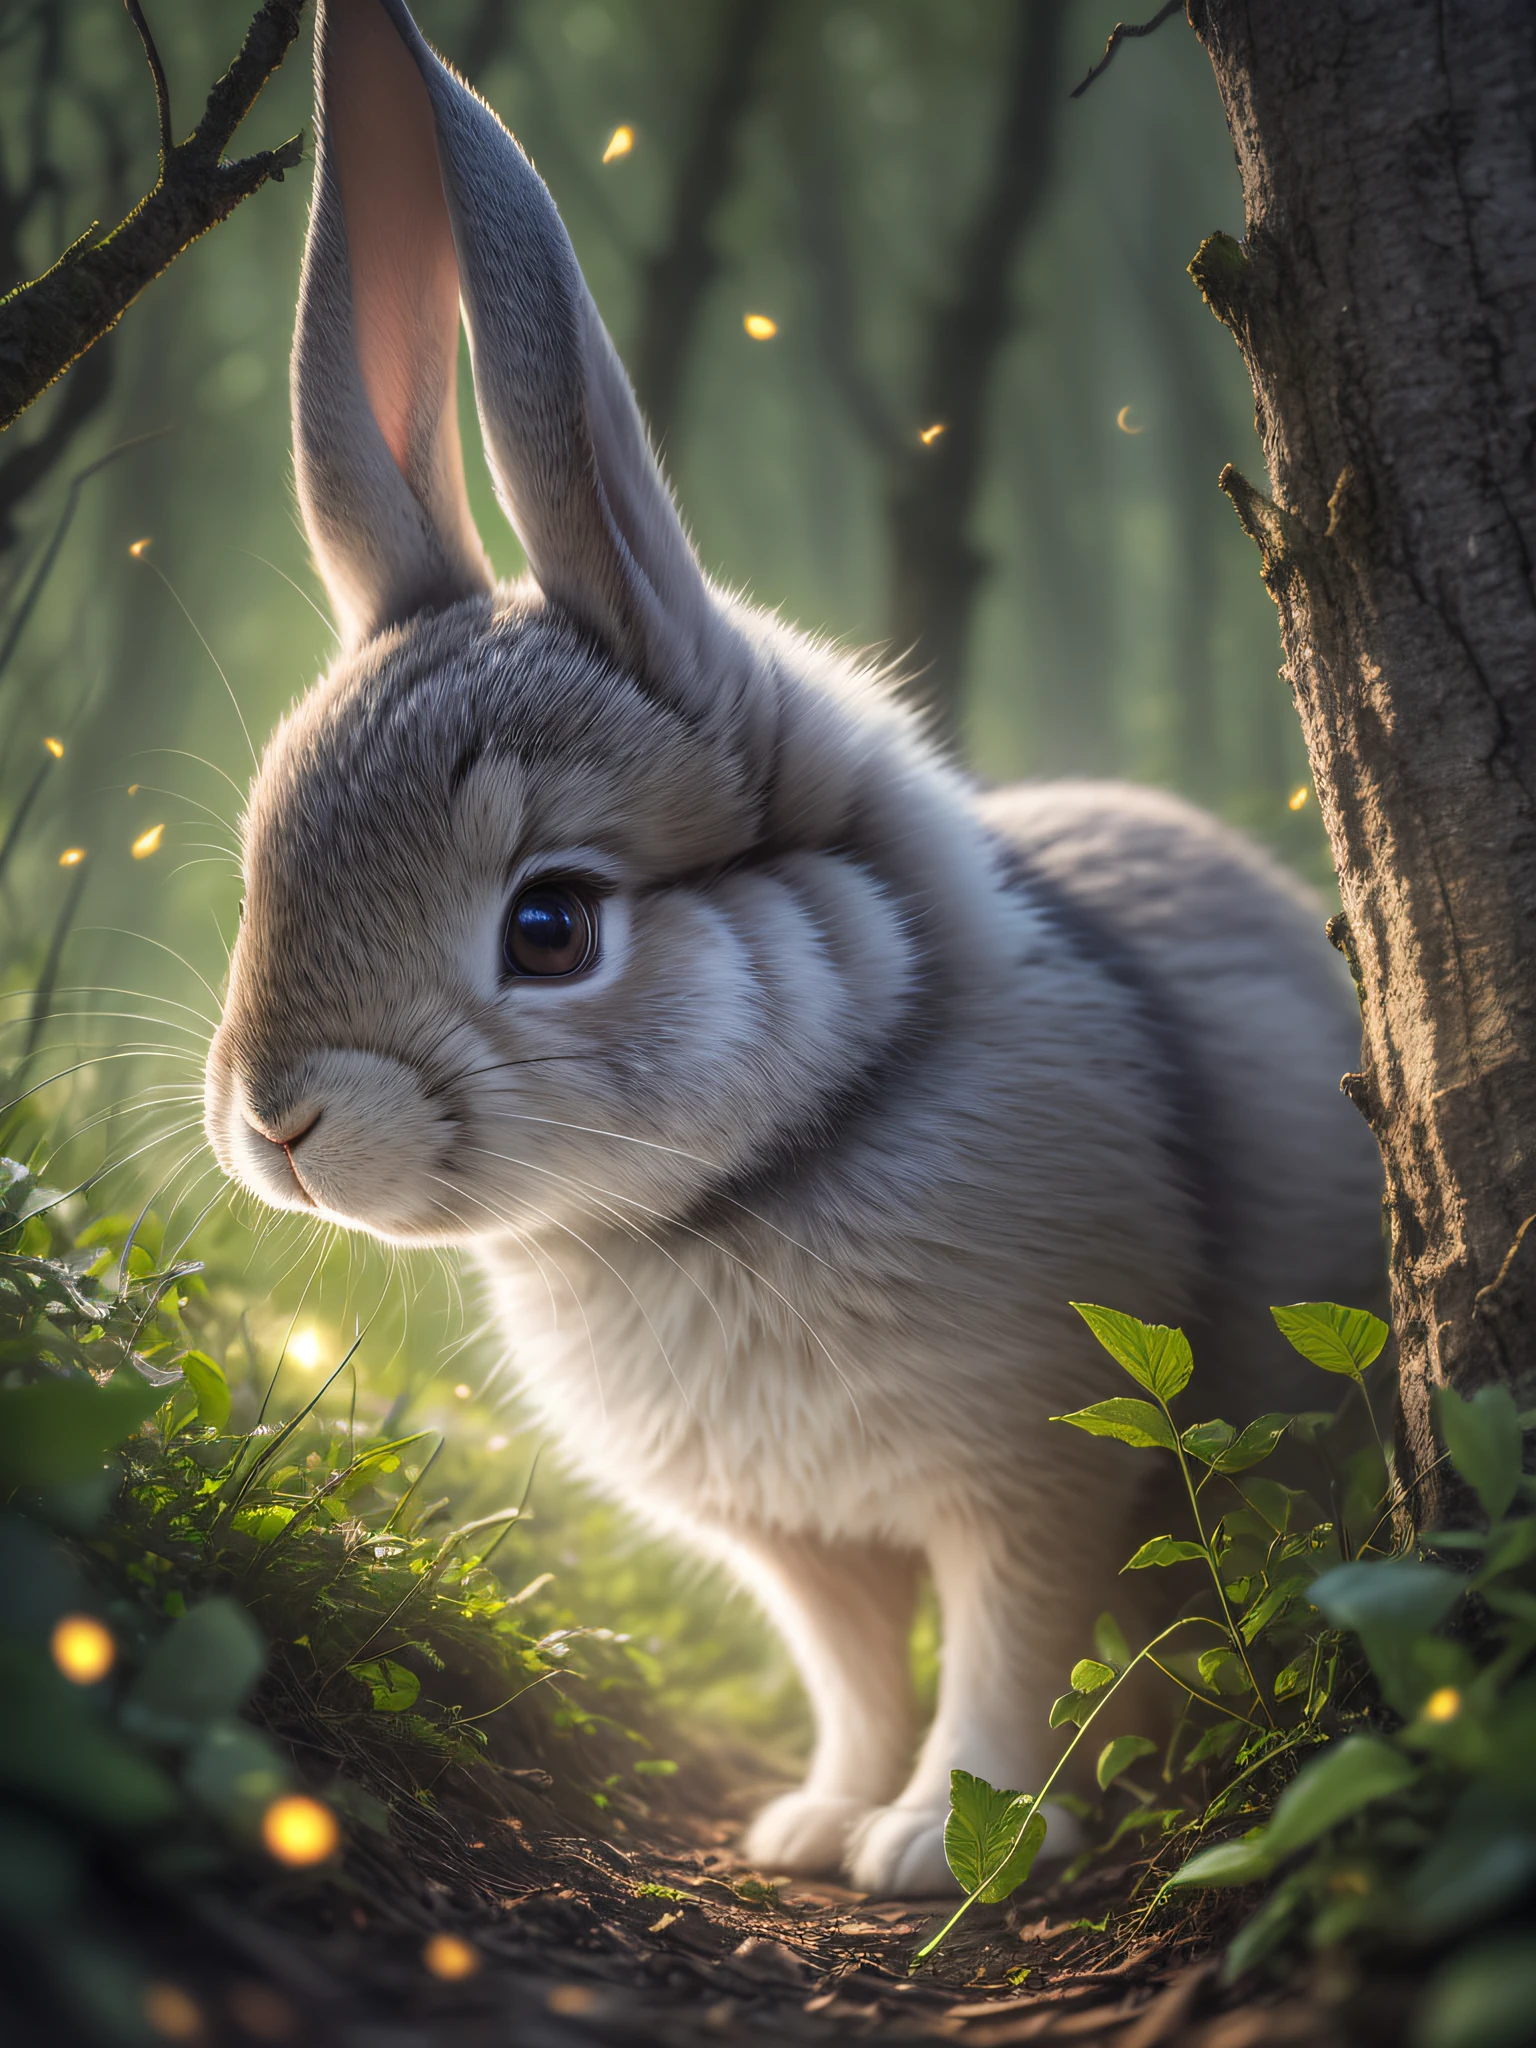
{"x": 550, "y": 929}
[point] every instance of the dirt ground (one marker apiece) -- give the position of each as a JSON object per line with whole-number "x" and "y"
{"x": 561, "y": 1941}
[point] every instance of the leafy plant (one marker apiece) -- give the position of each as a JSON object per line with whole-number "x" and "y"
{"x": 168, "y": 1583}
{"x": 1401, "y": 1684}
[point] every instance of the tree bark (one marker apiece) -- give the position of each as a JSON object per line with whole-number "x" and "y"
{"x": 48, "y": 324}
{"x": 1385, "y": 302}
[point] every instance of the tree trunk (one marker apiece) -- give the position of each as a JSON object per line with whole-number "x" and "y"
{"x": 1385, "y": 302}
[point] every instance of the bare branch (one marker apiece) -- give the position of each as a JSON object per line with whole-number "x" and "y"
{"x": 1124, "y": 32}
{"x": 47, "y": 324}
{"x": 157, "y": 73}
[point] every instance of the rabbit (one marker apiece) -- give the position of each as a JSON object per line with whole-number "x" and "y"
{"x": 785, "y": 1086}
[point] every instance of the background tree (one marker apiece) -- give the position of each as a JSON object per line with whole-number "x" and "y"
{"x": 1384, "y": 299}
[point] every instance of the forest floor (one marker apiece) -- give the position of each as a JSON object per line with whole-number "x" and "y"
{"x": 560, "y": 1941}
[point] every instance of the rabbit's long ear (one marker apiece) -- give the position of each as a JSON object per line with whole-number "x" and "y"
{"x": 563, "y": 434}
{"x": 375, "y": 352}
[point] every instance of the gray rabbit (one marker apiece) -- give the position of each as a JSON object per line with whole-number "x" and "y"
{"x": 784, "y": 1086}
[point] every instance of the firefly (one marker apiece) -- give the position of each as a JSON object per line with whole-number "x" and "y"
{"x": 83, "y": 1650}
{"x": 461, "y": 1391}
{"x": 760, "y": 327}
{"x": 1123, "y": 421}
{"x": 299, "y": 1831}
{"x": 450, "y": 1958}
{"x": 930, "y": 434}
{"x": 71, "y": 857}
{"x": 147, "y": 842}
{"x": 1297, "y": 800}
{"x": 56, "y": 748}
{"x": 1444, "y": 1704}
{"x": 140, "y": 548}
{"x": 620, "y": 143}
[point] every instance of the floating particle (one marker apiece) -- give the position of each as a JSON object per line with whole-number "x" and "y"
{"x": 620, "y": 143}
{"x": 930, "y": 434}
{"x": 1123, "y": 421}
{"x": 56, "y": 748}
{"x": 71, "y": 857}
{"x": 147, "y": 842}
{"x": 760, "y": 327}
{"x": 1297, "y": 800}
{"x": 140, "y": 548}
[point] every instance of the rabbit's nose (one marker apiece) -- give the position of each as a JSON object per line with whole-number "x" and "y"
{"x": 287, "y": 1130}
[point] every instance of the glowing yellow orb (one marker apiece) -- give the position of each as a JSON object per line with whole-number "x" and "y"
{"x": 446, "y": 1956}
{"x": 1297, "y": 800}
{"x": 71, "y": 857}
{"x": 299, "y": 1831}
{"x": 760, "y": 327}
{"x": 462, "y": 1391}
{"x": 147, "y": 842}
{"x": 56, "y": 748}
{"x": 620, "y": 143}
{"x": 930, "y": 434}
{"x": 83, "y": 1650}
{"x": 140, "y": 548}
{"x": 1444, "y": 1704}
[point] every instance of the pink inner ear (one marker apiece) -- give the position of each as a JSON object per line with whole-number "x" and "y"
{"x": 405, "y": 276}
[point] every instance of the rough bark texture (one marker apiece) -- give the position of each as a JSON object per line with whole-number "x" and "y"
{"x": 1385, "y": 301}
{"x": 48, "y": 324}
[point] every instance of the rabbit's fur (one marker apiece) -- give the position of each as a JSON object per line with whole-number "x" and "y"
{"x": 781, "y": 1203}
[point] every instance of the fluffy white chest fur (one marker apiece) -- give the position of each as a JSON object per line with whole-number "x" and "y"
{"x": 787, "y": 1088}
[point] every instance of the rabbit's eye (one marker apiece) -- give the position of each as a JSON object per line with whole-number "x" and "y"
{"x": 550, "y": 929}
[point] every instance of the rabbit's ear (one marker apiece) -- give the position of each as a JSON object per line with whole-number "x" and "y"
{"x": 375, "y": 352}
{"x": 564, "y": 437}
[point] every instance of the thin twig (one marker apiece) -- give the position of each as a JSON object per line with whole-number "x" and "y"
{"x": 1124, "y": 32}
{"x": 157, "y": 73}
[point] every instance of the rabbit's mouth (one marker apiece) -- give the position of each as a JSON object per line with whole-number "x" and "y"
{"x": 351, "y": 1136}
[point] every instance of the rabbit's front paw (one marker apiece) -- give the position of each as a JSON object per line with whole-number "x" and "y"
{"x": 802, "y": 1834}
{"x": 899, "y": 1853}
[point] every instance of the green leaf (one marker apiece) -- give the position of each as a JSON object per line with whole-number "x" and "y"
{"x": 1394, "y": 1596}
{"x": 234, "y": 1771}
{"x": 1118, "y": 1756}
{"x": 395, "y": 1687}
{"x": 1347, "y": 1777}
{"x": 1156, "y": 1357}
{"x": 1254, "y": 1443}
{"x": 1208, "y": 1440}
{"x": 988, "y": 1843}
{"x": 1294, "y": 1677}
{"x": 1223, "y": 1671}
{"x": 206, "y": 1379}
{"x": 1162, "y": 1550}
{"x": 1130, "y": 1422}
{"x": 1342, "y": 1340}
{"x": 57, "y": 1431}
{"x": 1089, "y": 1675}
{"x": 1070, "y": 1709}
{"x": 1215, "y": 1742}
{"x": 204, "y": 1666}
{"x": 1484, "y": 1439}
{"x": 1483, "y": 1997}
{"x": 1109, "y": 1641}
{"x": 1241, "y": 1862}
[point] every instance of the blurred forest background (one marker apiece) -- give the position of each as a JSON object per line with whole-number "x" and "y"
{"x": 938, "y": 235}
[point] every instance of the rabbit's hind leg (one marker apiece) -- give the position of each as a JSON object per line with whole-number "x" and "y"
{"x": 1012, "y": 1627}
{"x": 845, "y": 1612}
